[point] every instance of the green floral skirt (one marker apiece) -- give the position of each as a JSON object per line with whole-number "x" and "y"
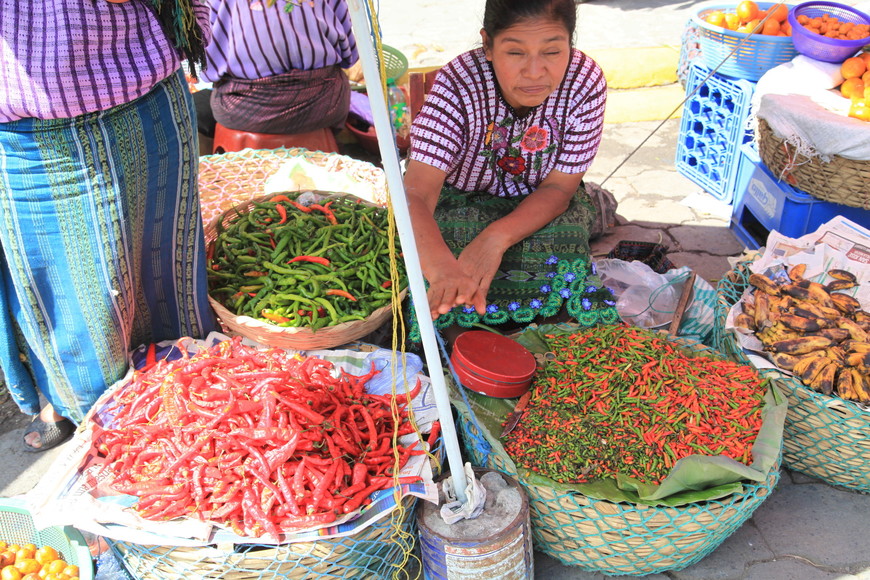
{"x": 538, "y": 276}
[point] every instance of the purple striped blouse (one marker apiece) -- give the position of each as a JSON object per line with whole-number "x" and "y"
{"x": 466, "y": 129}
{"x": 64, "y": 58}
{"x": 252, "y": 40}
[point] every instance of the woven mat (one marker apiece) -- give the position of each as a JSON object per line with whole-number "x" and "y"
{"x": 232, "y": 178}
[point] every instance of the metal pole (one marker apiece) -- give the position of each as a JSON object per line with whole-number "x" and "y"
{"x": 392, "y": 170}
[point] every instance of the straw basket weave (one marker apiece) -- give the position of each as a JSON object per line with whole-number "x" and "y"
{"x": 824, "y": 436}
{"x": 619, "y": 538}
{"x": 376, "y": 552}
{"x": 623, "y": 538}
{"x": 841, "y": 180}
{"x": 300, "y": 338}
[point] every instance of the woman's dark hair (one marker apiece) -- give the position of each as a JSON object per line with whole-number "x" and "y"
{"x": 499, "y": 15}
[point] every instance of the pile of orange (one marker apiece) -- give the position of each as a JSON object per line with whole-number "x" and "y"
{"x": 856, "y": 85}
{"x": 830, "y": 26}
{"x": 27, "y": 562}
{"x": 749, "y": 18}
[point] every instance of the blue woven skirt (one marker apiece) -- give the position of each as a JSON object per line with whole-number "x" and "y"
{"x": 102, "y": 245}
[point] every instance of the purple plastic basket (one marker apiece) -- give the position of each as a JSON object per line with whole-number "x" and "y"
{"x": 821, "y": 47}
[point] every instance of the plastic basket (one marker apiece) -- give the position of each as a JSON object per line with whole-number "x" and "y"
{"x": 16, "y": 526}
{"x": 753, "y": 54}
{"x": 821, "y": 47}
{"x": 824, "y": 437}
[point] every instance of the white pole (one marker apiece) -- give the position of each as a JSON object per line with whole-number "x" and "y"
{"x": 392, "y": 170}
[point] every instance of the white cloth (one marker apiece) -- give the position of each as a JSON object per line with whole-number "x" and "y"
{"x": 799, "y": 101}
{"x": 475, "y": 494}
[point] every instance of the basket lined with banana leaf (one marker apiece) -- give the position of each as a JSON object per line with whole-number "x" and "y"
{"x": 815, "y": 328}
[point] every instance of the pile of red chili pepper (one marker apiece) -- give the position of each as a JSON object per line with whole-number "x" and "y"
{"x": 625, "y": 400}
{"x": 258, "y": 441}
{"x": 297, "y": 265}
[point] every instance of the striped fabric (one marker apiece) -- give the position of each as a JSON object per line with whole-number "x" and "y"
{"x": 466, "y": 129}
{"x": 252, "y": 40}
{"x": 60, "y": 59}
{"x": 102, "y": 243}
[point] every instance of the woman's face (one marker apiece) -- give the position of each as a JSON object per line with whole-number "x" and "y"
{"x": 529, "y": 59}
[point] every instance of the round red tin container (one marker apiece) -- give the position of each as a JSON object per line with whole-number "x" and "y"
{"x": 492, "y": 364}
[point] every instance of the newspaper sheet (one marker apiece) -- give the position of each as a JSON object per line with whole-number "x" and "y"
{"x": 77, "y": 491}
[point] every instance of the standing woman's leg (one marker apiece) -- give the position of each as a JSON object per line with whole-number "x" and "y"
{"x": 101, "y": 231}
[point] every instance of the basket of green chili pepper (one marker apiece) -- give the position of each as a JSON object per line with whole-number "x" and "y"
{"x": 304, "y": 270}
{"x": 640, "y": 452}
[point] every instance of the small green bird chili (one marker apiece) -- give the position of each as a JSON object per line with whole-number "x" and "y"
{"x": 624, "y": 400}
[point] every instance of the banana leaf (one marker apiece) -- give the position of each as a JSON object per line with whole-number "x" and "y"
{"x": 695, "y": 478}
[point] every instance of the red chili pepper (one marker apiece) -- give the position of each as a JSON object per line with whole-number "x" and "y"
{"x": 282, "y": 211}
{"x": 386, "y": 284}
{"x": 313, "y": 259}
{"x": 279, "y": 197}
{"x": 342, "y": 293}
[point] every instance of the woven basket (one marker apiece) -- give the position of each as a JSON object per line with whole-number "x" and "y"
{"x": 619, "y": 538}
{"x": 299, "y": 338}
{"x": 376, "y": 552}
{"x": 824, "y": 437}
{"x": 843, "y": 181}
{"x": 623, "y": 538}
{"x": 233, "y": 178}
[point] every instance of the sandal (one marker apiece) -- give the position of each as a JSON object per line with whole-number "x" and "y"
{"x": 50, "y": 434}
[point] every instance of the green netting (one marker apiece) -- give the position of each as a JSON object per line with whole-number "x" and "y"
{"x": 609, "y": 536}
{"x": 378, "y": 552}
{"x": 824, "y": 436}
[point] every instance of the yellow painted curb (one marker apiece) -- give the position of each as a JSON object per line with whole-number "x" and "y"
{"x": 645, "y": 104}
{"x": 630, "y": 68}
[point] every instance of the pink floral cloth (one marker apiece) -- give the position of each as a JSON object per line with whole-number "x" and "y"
{"x": 467, "y": 129}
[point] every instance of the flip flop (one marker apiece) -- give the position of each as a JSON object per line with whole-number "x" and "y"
{"x": 50, "y": 434}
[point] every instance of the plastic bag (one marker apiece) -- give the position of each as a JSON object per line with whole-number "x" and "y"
{"x": 648, "y": 299}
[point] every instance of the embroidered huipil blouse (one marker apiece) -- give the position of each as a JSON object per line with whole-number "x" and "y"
{"x": 466, "y": 129}
{"x": 65, "y": 58}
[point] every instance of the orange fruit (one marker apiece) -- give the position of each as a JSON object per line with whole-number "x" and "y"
{"x": 732, "y": 21}
{"x": 853, "y": 87}
{"x": 31, "y": 576}
{"x": 10, "y": 573}
{"x": 3, "y": 546}
{"x": 54, "y": 567}
{"x": 785, "y": 28}
{"x": 859, "y": 109}
{"x": 46, "y": 554}
{"x": 750, "y": 27}
{"x": 29, "y": 565}
{"x": 72, "y": 570}
{"x": 853, "y": 67}
{"x": 865, "y": 56}
{"x": 716, "y": 18}
{"x": 747, "y": 10}
{"x": 771, "y": 27}
{"x": 779, "y": 13}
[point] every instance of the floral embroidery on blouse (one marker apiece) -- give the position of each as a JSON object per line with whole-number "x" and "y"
{"x": 510, "y": 156}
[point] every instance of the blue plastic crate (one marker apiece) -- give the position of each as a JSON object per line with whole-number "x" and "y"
{"x": 713, "y": 126}
{"x": 763, "y": 204}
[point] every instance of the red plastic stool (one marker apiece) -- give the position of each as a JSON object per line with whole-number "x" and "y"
{"x": 226, "y": 140}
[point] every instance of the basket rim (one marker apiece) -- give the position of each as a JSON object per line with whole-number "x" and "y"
{"x": 823, "y": 40}
{"x": 757, "y": 37}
